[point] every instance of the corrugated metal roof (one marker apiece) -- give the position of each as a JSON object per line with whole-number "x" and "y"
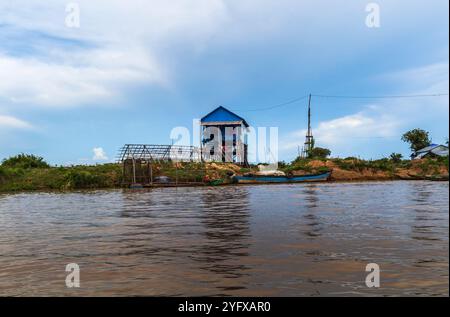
{"x": 428, "y": 148}
{"x": 437, "y": 149}
{"x": 221, "y": 114}
{"x": 440, "y": 150}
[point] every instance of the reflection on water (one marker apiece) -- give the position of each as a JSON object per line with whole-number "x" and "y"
{"x": 283, "y": 240}
{"x": 311, "y": 220}
{"x": 225, "y": 219}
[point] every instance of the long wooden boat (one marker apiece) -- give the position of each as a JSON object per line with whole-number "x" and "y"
{"x": 263, "y": 179}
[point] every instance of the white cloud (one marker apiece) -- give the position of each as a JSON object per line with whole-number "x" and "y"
{"x": 54, "y": 84}
{"x": 359, "y": 125}
{"x": 13, "y": 123}
{"x": 118, "y": 45}
{"x": 344, "y": 134}
{"x": 385, "y": 120}
{"x": 133, "y": 42}
{"x": 99, "y": 154}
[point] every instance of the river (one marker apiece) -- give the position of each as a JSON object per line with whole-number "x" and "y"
{"x": 274, "y": 240}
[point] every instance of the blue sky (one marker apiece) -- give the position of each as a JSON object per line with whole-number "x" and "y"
{"x": 134, "y": 70}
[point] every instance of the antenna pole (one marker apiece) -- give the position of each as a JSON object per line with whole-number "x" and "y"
{"x": 309, "y": 136}
{"x": 309, "y": 117}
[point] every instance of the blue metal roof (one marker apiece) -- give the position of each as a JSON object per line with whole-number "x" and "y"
{"x": 222, "y": 114}
{"x": 437, "y": 149}
{"x": 428, "y": 148}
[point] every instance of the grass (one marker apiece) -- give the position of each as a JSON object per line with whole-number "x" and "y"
{"x": 383, "y": 165}
{"x": 433, "y": 166}
{"x": 14, "y": 179}
{"x": 59, "y": 178}
{"x": 182, "y": 172}
{"x": 428, "y": 166}
{"x": 298, "y": 165}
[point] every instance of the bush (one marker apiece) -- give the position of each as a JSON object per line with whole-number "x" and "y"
{"x": 2, "y": 174}
{"x": 354, "y": 164}
{"x": 245, "y": 170}
{"x": 84, "y": 180}
{"x": 322, "y": 169}
{"x": 345, "y": 164}
{"x": 298, "y": 159}
{"x": 429, "y": 166}
{"x": 444, "y": 161}
{"x": 319, "y": 152}
{"x": 383, "y": 164}
{"x": 298, "y": 164}
{"x": 282, "y": 164}
{"x": 396, "y": 157}
{"x": 25, "y": 161}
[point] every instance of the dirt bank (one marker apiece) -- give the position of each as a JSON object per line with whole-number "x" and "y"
{"x": 359, "y": 170}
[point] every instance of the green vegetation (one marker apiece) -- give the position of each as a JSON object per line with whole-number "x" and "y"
{"x": 349, "y": 164}
{"x": 417, "y": 139}
{"x": 396, "y": 157}
{"x": 28, "y": 172}
{"x": 319, "y": 153}
{"x": 25, "y": 161}
{"x": 282, "y": 164}
{"x": 299, "y": 164}
{"x": 384, "y": 164}
{"x": 387, "y": 166}
{"x": 433, "y": 166}
{"x": 245, "y": 170}
{"x": 181, "y": 172}
{"x": 318, "y": 161}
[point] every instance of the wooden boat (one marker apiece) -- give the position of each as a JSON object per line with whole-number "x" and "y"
{"x": 264, "y": 179}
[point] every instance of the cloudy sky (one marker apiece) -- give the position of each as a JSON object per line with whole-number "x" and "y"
{"x": 133, "y": 70}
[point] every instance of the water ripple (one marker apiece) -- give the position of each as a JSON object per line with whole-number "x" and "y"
{"x": 284, "y": 240}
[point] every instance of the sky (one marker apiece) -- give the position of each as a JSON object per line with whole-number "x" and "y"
{"x": 78, "y": 79}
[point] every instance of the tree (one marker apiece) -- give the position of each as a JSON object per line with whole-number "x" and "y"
{"x": 319, "y": 152}
{"x": 417, "y": 139}
{"x": 25, "y": 161}
{"x": 396, "y": 157}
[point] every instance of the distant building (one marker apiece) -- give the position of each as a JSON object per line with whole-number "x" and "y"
{"x": 223, "y": 137}
{"x": 430, "y": 151}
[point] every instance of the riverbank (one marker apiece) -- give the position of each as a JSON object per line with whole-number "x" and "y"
{"x": 353, "y": 169}
{"x": 19, "y": 178}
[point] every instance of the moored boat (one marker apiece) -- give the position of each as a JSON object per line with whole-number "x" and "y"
{"x": 265, "y": 179}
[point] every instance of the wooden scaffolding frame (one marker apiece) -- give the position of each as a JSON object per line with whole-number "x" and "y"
{"x": 138, "y": 160}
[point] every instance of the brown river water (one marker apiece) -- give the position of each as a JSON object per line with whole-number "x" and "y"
{"x": 275, "y": 240}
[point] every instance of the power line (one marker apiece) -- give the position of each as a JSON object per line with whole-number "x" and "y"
{"x": 274, "y": 106}
{"x": 381, "y": 97}
{"x": 341, "y": 97}
{"x": 374, "y": 137}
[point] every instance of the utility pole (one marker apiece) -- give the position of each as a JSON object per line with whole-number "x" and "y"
{"x": 309, "y": 142}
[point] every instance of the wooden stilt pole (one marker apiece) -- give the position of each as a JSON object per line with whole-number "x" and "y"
{"x": 151, "y": 174}
{"x": 134, "y": 171}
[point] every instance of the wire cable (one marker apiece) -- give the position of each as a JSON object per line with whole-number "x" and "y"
{"x": 381, "y": 97}
{"x": 340, "y": 97}
{"x": 274, "y": 106}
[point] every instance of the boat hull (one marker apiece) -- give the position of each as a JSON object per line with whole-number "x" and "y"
{"x": 260, "y": 179}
